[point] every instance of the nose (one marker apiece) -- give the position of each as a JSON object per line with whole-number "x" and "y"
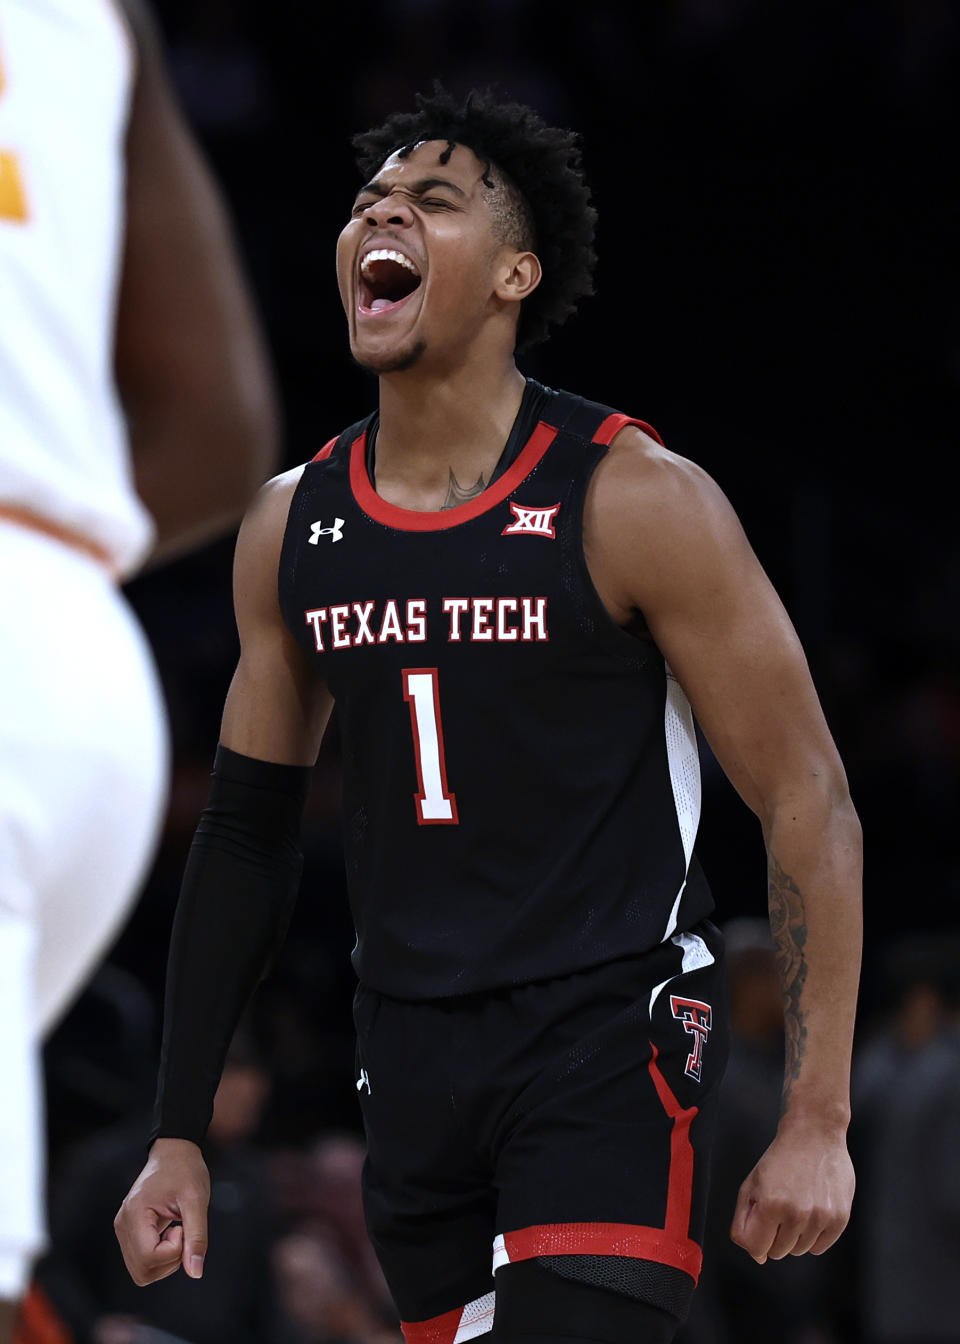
{"x": 392, "y": 209}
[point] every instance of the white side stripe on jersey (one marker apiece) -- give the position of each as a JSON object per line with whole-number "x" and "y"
{"x": 695, "y": 954}
{"x": 683, "y": 762}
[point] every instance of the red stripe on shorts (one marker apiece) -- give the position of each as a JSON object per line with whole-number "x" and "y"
{"x": 476, "y": 1318}
{"x": 437, "y": 1330}
{"x": 641, "y": 1243}
{"x": 667, "y": 1245}
{"x": 680, "y": 1182}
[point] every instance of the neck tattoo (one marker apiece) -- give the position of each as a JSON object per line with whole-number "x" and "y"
{"x": 459, "y": 494}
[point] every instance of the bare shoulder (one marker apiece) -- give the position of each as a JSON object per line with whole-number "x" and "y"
{"x": 267, "y": 514}
{"x": 640, "y": 480}
{"x": 278, "y": 705}
{"x": 261, "y": 539}
{"x": 655, "y": 519}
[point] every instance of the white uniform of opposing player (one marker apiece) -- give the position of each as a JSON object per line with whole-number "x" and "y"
{"x": 82, "y": 735}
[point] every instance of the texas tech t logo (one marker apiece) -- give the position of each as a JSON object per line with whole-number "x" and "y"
{"x": 532, "y": 522}
{"x": 696, "y": 1018}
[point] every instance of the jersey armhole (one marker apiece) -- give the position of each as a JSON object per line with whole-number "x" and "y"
{"x": 326, "y": 450}
{"x": 633, "y": 640}
{"x": 613, "y": 424}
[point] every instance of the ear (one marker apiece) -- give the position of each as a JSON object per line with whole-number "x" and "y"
{"x": 517, "y": 276}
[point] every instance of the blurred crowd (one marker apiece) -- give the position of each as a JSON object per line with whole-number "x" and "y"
{"x": 289, "y": 1260}
{"x": 291, "y": 1263}
{"x": 777, "y": 293}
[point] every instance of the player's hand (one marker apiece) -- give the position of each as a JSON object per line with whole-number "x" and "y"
{"x": 798, "y": 1196}
{"x": 162, "y": 1223}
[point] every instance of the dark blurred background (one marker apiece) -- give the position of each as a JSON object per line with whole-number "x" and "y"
{"x": 778, "y": 200}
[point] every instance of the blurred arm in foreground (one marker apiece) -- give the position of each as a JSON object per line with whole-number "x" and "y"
{"x": 191, "y": 366}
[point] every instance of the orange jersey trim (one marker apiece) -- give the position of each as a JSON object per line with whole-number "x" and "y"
{"x": 35, "y": 522}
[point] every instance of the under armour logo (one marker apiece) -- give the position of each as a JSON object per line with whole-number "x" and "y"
{"x": 697, "y": 1019}
{"x": 317, "y": 530}
{"x": 363, "y": 1082}
{"x": 532, "y": 522}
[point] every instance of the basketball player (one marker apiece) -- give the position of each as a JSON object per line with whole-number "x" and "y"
{"x": 119, "y": 287}
{"x": 513, "y": 596}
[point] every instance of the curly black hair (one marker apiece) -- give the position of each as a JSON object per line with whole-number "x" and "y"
{"x": 545, "y": 204}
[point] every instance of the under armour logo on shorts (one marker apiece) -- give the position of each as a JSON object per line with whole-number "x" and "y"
{"x": 317, "y": 531}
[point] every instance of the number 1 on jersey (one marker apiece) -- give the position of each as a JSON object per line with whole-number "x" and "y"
{"x": 436, "y": 805}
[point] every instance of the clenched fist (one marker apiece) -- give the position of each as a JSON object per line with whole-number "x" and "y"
{"x": 162, "y": 1223}
{"x": 798, "y": 1196}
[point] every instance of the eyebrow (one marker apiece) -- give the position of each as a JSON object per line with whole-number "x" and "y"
{"x": 416, "y": 188}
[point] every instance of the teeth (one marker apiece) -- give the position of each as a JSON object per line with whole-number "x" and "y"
{"x": 387, "y": 254}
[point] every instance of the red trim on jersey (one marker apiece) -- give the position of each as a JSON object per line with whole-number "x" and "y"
{"x": 415, "y": 520}
{"x": 437, "y": 1330}
{"x": 641, "y": 1243}
{"x": 613, "y": 424}
{"x": 325, "y": 451}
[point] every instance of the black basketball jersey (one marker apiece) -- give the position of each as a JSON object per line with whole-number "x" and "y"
{"x": 520, "y": 774}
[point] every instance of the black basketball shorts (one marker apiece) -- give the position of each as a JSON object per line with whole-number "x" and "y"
{"x": 569, "y": 1120}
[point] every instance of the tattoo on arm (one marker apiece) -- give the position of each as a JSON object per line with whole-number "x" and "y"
{"x": 459, "y": 494}
{"x": 788, "y": 924}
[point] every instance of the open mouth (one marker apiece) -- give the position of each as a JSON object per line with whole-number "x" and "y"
{"x": 386, "y": 279}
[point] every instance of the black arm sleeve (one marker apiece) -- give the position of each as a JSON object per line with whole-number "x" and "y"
{"x": 238, "y": 893}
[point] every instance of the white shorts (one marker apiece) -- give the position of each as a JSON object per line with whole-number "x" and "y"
{"x": 83, "y": 770}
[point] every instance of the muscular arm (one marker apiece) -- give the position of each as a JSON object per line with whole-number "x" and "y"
{"x": 671, "y": 546}
{"x": 190, "y": 363}
{"x": 276, "y": 709}
{"x": 237, "y": 894}
{"x": 243, "y": 871}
